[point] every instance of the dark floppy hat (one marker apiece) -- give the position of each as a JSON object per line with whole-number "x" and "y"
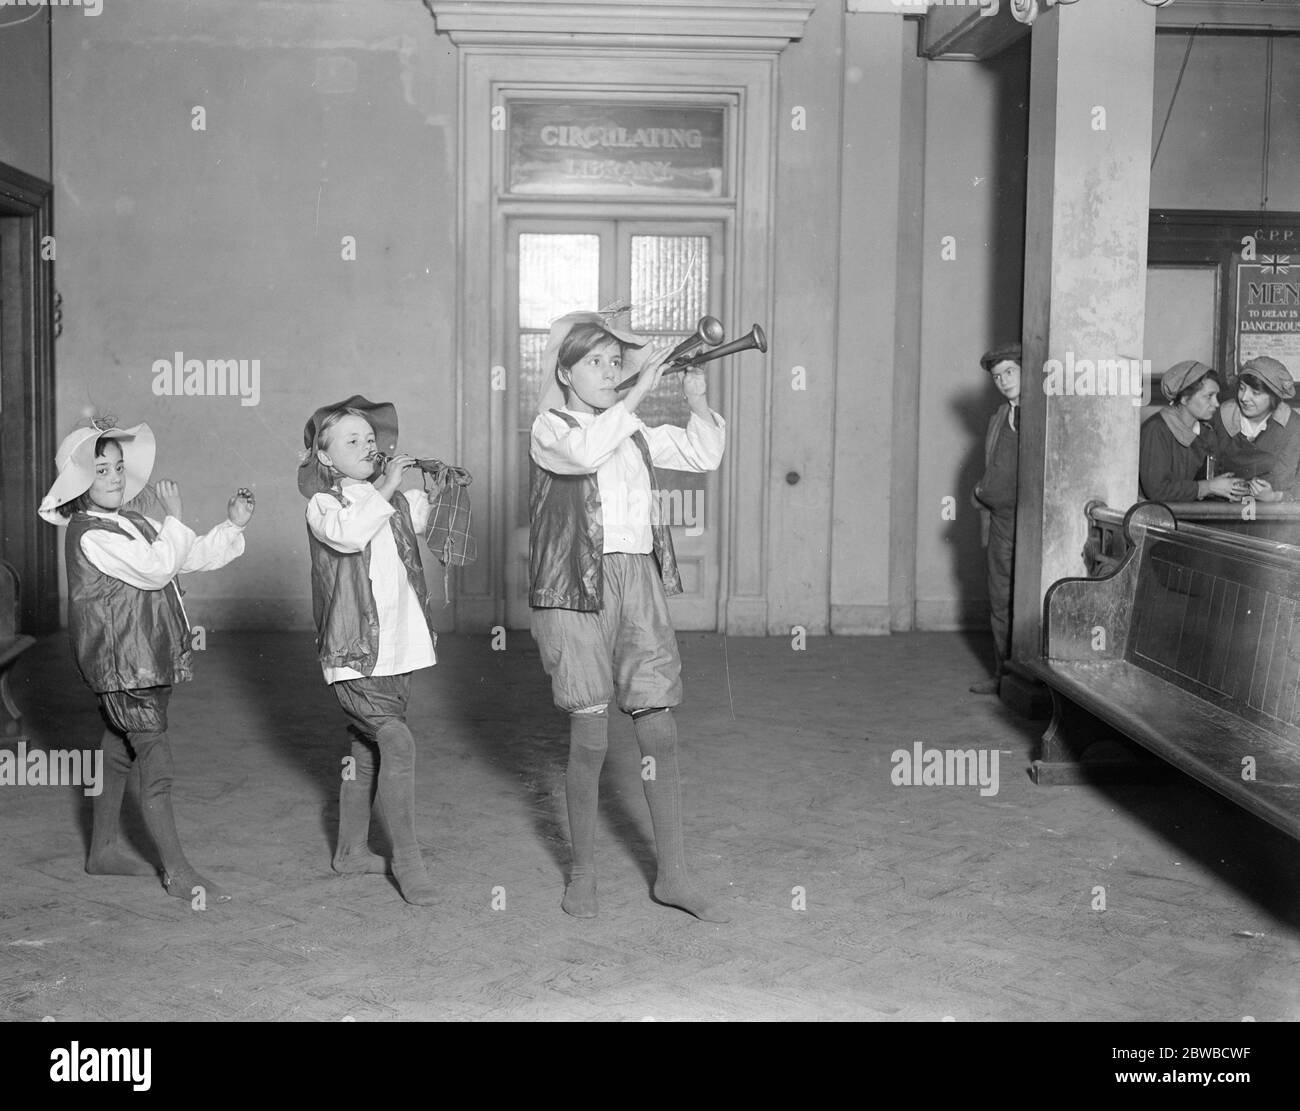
{"x": 382, "y": 416}
{"x": 1001, "y": 354}
{"x": 1272, "y": 373}
{"x": 1181, "y": 375}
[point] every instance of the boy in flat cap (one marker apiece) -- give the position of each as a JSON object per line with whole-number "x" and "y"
{"x": 995, "y": 495}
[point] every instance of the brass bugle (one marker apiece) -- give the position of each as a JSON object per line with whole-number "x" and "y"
{"x": 708, "y": 333}
{"x": 755, "y": 339}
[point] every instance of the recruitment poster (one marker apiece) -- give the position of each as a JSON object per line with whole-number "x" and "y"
{"x": 1268, "y": 310}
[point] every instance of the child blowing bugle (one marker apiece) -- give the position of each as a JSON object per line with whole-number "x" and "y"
{"x": 601, "y": 566}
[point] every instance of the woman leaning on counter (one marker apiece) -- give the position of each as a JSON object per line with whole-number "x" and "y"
{"x": 1177, "y": 441}
{"x": 1258, "y": 436}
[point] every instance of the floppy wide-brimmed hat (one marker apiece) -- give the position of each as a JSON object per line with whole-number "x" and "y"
{"x": 552, "y": 396}
{"x": 382, "y": 416}
{"x": 75, "y": 461}
{"x": 1271, "y": 372}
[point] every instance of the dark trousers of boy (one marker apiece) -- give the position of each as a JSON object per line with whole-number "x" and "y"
{"x": 997, "y": 493}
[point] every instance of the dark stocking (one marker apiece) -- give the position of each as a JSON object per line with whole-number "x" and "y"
{"x": 396, "y": 796}
{"x": 356, "y": 797}
{"x": 588, "y": 743}
{"x": 656, "y": 734}
{"x": 106, "y": 857}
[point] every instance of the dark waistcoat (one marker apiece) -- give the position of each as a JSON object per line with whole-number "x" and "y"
{"x": 123, "y": 638}
{"x": 343, "y": 603}
{"x": 567, "y": 537}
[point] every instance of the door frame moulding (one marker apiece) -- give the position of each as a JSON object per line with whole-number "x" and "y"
{"x": 31, "y": 200}
{"x": 719, "y": 25}
{"x": 482, "y": 425}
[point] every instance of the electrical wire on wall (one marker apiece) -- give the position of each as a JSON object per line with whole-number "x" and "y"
{"x": 1191, "y": 39}
{"x": 1268, "y": 124}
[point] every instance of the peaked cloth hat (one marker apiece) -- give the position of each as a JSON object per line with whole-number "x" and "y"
{"x": 75, "y": 461}
{"x": 382, "y": 416}
{"x": 1272, "y": 373}
{"x": 1182, "y": 375}
{"x": 552, "y": 396}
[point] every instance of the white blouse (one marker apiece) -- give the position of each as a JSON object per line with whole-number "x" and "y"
{"x": 603, "y": 443}
{"x": 404, "y": 640}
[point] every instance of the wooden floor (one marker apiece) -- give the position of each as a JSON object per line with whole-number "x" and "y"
{"x": 922, "y": 902}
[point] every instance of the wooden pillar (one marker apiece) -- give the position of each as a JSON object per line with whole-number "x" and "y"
{"x": 1085, "y": 280}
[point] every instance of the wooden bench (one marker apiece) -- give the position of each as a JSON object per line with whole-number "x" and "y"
{"x": 1191, "y": 649}
{"x": 1263, "y": 520}
{"x": 12, "y": 645}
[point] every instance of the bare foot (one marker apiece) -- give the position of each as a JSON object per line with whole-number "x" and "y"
{"x": 113, "y": 862}
{"x": 191, "y": 884}
{"x": 358, "y": 863}
{"x": 580, "y": 897}
{"x": 685, "y": 896}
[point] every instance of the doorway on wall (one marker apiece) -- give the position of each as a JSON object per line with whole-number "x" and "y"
{"x": 27, "y": 439}
{"x": 671, "y": 271}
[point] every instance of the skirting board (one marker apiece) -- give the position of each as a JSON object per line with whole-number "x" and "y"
{"x": 947, "y": 615}
{"x": 856, "y": 621}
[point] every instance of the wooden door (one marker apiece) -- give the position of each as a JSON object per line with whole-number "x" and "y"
{"x": 672, "y": 272}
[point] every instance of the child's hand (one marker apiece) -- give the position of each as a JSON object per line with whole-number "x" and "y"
{"x": 169, "y": 493}
{"x": 649, "y": 365}
{"x": 240, "y": 508}
{"x": 695, "y": 384}
{"x": 392, "y": 479}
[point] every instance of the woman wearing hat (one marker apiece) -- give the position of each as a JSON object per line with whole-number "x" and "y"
{"x": 1177, "y": 440}
{"x": 129, "y": 632}
{"x": 1258, "y": 435}
{"x": 601, "y": 566}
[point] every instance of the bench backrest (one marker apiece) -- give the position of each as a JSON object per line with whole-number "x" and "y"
{"x": 9, "y": 600}
{"x": 1220, "y": 616}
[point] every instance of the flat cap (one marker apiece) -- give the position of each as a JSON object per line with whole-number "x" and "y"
{"x": 1181, "y": 375}
{"x": 1001, "y": 354}
{"x": 1272, "y": 373}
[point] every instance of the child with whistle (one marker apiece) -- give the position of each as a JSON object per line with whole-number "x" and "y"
{"x": 601, "y": 568}
{"x": 373, "y": 623}
{"x": 130, "y": 636}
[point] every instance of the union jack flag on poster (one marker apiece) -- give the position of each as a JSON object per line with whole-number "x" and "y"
{"x": 1268, "y": 311}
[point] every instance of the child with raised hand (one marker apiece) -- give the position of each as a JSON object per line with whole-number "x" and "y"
{"x": 373, "y": 626}
{"x": 601, "y": 566}
{"x": 130, "y": 636}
